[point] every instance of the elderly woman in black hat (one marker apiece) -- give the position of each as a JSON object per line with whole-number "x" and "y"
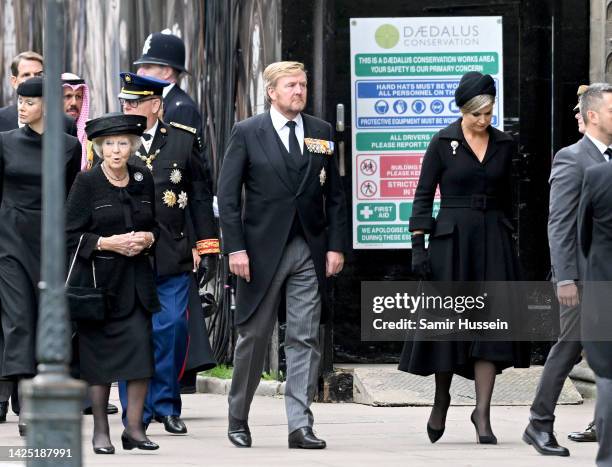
{"x": 20, "y": 211}
{"x": 470, "y": 240}
{"x": 111, "y": 228}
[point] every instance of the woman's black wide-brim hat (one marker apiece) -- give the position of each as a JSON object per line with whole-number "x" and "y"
{"x": 115, "y": 123}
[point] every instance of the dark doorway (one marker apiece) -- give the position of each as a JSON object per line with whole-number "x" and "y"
{"x": 545, "y": 59}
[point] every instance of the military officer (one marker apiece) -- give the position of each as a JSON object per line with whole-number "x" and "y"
{"x": 182, "y": 186}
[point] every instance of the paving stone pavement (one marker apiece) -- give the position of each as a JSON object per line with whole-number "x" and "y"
{"x": 357, "y": 435}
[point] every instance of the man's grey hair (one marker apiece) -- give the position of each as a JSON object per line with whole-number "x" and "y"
{"x": 592, "y": 98}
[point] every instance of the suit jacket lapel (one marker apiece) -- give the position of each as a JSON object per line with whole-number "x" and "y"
{"x": 269, "y": 145}
{"x": 592, "y": 150}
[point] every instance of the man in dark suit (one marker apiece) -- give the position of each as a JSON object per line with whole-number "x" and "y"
{"x": 567, "y": 265}
{"x": 292, "y": 234}
{"x": 182, "y": 184}
{"x": 568, "y": 268}
{"x": 595, "y": 237}
{"x": 163, "y": 57}
{"x": 24, "y": 66}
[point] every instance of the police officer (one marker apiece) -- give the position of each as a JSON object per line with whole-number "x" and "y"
{"x": 182, "y": 186}
{"x": 163, "y": 57}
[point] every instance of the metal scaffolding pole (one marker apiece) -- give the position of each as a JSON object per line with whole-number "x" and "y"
{"x": 53, "y": 399}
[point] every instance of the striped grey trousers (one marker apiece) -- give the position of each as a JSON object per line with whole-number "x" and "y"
{"x": 296, "y": 270}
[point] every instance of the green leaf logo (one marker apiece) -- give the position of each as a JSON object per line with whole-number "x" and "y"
{"x": 387, "y": 36}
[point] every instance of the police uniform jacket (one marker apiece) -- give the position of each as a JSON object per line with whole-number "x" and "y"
{"x": 182, "y": 182}
{"x": 255, "y": 158}
{"x": 179, "y": 107}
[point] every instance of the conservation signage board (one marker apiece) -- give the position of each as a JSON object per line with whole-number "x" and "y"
{"x": 404, "y": 72}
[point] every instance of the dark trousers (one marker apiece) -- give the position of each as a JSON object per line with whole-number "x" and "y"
{"x": 603, "y": 421}
{"x": 561, "y": 359}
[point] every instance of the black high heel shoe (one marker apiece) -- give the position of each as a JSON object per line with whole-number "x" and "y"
{"x": 130, "y": 443}
{"x": 433, "y": 433}
{"x": 482, "y": 439}
{"x": 23, "y": 429}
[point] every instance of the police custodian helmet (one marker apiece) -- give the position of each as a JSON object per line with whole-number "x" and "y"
{"x": 163, "y": 48}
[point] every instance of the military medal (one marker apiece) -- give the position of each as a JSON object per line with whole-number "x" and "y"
{"x": 169, "y": 198}
{"x": 454, "y": 145}
{"x": 138, "y": 176}
{"x": 322, "y": 176}
{"x": 182, "y": 200}
{"x": 319, "y": 146}
{"x": 176, "y": 176}
{"x": 148, "y": 160}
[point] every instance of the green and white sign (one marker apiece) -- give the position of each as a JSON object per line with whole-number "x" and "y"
{"x": 404, "y": 72}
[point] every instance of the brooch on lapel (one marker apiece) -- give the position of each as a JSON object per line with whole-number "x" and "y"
{"x": 182, "y": 200}
{"x": 169, "y": 198}
{"x": 322, "y": 176}
{"x": 138, "y": 176}
{"x": 176, "y": 176}
{"x": 454, "y": 145}
{"x": 148, "y": 160}
{"x": 319, "y": 146}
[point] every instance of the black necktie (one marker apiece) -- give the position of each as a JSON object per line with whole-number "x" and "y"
{"x": 294, "y": 146}
{"x": 147, "y": 136}
{"x": 608, "y": 152}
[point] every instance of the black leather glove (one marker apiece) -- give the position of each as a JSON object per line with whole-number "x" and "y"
{"x": 206, "y": 284}
{"x": 420, "y": 260}
{"x": 207, "y": 269}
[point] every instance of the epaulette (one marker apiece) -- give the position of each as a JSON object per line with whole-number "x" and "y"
{"x": 184, "y": 127}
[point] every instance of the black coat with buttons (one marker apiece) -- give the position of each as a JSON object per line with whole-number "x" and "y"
{"x": 96, "y": 208}
{"x": 183, "y": 195}
{"x": 470, "y": 243}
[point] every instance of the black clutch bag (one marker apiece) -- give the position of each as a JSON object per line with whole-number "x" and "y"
{"x": 85, "y": 303}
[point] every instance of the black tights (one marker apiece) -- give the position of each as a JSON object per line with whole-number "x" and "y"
{"x": 484, "y": 381}
{"x": 136, "y": 392}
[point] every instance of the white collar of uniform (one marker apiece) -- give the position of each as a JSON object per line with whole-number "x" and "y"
{"x": 152, "y": 130}
{"x": 279, "y": 120}
{"x": 167, "y": 89}
{"x": 601, "y": 147}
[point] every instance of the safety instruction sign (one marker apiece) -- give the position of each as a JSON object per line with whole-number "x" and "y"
{"x": 404, "y": 72}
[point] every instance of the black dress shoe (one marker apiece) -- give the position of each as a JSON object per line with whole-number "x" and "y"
{"x": 544, "y": 442}
{"x": 589, "y": 435}
{"x": 104, "y": 450}
{"x": 173, "y": 424}
{"x": 110, "y": 409}
{"x": 130, "y": 443}
{"x": 304, "y": 438}
{"x": 3, "y": 411}
{"x": 238, "y": 433}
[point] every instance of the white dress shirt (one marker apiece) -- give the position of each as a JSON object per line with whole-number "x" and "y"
{"x": 151, "y": 131}
{"x": 167, "y": 89}
{"x": 279, "y": 122}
